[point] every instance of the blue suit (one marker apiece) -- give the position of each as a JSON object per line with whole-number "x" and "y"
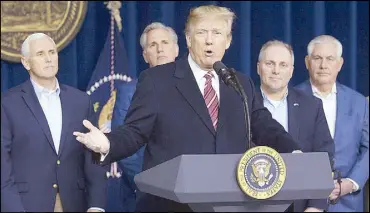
{"x": 122, "y": 192}
{"x": 351, "y": 140}
{"x": 31, "y": 171}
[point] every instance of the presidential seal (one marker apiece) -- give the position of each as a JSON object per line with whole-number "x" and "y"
{"x": 261, "y": 172}
{"x": 61, "y": 20}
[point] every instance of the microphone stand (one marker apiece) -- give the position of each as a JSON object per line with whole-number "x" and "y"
{"x": 239, "y": 88}
{"x": 339, "y": 181}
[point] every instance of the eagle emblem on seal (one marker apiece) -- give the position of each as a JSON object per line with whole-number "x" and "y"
{"x": 261, "y": 172}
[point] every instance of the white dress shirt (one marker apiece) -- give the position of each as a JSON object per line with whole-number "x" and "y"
{"x": 278, "y": 109}
{"x": 330, "y": 106}
{"x": 330, "y": 109}
{"x": 52, "y": 108}
{"x": 201, "y": 80}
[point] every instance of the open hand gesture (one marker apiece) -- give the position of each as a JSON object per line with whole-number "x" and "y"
{"x": 94, "y": 140}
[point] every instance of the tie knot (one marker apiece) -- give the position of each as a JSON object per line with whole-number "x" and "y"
{"x": 208, "y": 76}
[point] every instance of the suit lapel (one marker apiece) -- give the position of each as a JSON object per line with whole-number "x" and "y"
{"x": 188, "y": 87}
{"x": 343, "y": 110}
{"x": 293, "y": 115}
{"x": 67, "y": 111}
{"x": 32, "y": 102}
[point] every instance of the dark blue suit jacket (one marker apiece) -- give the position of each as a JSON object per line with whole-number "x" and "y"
{"x": 307, "y": 125}
{"x": 29, "y": 167}
{"x": 168, "y": 113}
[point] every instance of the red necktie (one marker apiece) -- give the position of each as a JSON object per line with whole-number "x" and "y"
{"x": 210, "y": 97}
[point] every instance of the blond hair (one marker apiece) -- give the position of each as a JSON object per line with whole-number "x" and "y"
{"x": 208, "y": 10}
{"x": 275, "y": 43}
{"x": 325, "y": 39}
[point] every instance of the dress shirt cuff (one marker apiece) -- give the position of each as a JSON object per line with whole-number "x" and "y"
{"x": 96, "y": 208}
{"x": 356, "y": 186}
{"x": 102, "y": 156}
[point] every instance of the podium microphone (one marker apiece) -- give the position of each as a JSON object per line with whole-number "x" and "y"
{"x": 228, "y": 76}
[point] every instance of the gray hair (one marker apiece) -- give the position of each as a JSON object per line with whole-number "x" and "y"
{"x": 153, "y": 26}
{"x": 25, "y": 49}
{"x": 325, "y": 39}
{"x": 276, "y": 43}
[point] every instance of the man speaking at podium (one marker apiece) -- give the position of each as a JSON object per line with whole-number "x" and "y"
{"x": 184, "y": 108}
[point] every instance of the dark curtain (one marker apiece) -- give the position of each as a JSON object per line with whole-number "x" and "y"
{"x": 257, "y": 22}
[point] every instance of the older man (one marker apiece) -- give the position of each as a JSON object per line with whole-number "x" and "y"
{"x": 159, "y": 44}
{"x": 290, "y": 107}
{"x": 43, "y": 168}
{"x": 183, "y": 108}
{"x": 347, "y": 113}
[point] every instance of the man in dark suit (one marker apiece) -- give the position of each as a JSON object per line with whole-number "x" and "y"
{"x": 301, "y": 115}
{"x": 184, "y": 108}
{"x": 43, "y": 167}
{"x": 159, "y": 44}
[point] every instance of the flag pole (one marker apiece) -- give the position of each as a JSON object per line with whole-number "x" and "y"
{"x": 114, "y": 7}
{"x": 111, "y": 52}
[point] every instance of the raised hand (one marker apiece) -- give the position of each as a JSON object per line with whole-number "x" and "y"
{"x": 94, "y": 140}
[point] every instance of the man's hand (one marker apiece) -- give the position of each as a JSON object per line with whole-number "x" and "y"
{"x": 335, "y": 193}
{"x": 346, "y": 187}
{"x": 94, "y": 140}
{"x": 313, "y": 209}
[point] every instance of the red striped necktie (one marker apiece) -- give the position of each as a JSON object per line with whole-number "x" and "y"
{"x": 210, "y": 97}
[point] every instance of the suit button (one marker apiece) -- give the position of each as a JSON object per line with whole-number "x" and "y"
{"x": 58, "y": 162}
{"x": 55, "y": 186}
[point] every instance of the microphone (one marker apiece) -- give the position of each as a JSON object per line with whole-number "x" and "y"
{"x": 228, "y": 76}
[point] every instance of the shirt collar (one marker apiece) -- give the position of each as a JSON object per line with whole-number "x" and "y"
{"x": 273, "y": 102}
{"x": 42, "y": 90}
{"x": 317, "y": 91}
{"x": 197, "y": 71}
